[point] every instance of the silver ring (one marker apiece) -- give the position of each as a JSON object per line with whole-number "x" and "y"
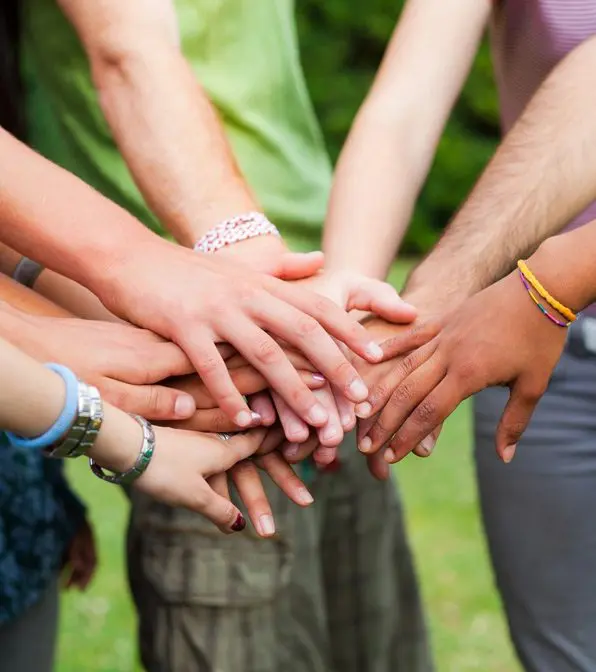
{"x": 224, "y": 436}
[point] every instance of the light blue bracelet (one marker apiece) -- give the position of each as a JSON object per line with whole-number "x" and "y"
{"x": 65, "y": 419}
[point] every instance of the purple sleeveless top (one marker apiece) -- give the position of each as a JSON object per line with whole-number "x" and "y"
{"x": 529, "y": 38}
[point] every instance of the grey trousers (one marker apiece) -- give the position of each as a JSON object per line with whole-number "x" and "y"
{"x": 539, "y": 516}
{"x": 27, "y": 644}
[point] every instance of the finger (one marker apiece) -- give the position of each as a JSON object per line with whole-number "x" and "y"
{"x": 247, "y": 380}
{"x": 272, "y": 441}
{"x": 149, "y": 363}
{"x": 297, "y": 452}
{"x": 306, "y": 334}
{"x": 295, "y": 430}
{"x": 219, "y": 484}
{"x": 154, "y": 402}
{"x": 516, "y": 417}
{"x": 262, "y": 404}
{"x": 219, "y": 510}
{"x": 426, "y": 447}
{"x": 296, "y": 359}
{"x": 331, "y": 317}
{"x": 267, "y": 356}
{"x": 223, "y": 455}
{"x": 381, "y": 299}
{"x": 212, "y": 370}
{"x": 298, "y": 265}
{"x": 331, "y": 433}
{"x": 250, "y": 489}
{"x": 212, "y": 420}
{"x": 407, "y": 395}
{"x": 421, "y": 332}
{"x": 286, "y": 479}
{"x": 378, "y": 466}
{"x": 382, "y": 391}
{"x": 425, "y": 418}
{"x": 345, "y": 409}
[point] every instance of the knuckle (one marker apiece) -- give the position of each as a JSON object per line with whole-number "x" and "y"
{"x": 401, "y": 395}
{"x": 208, "y": 366}
{"x": 514, "y": 428}
{"x": 426, "y": 412}
{"x": 307, "y": 326}
{"x": 268, "y": 352}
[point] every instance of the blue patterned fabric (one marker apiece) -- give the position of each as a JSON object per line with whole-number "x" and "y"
{"x": 39, "y": 515}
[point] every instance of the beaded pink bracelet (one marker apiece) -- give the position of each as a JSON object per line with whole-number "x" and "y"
{"x": 235, "y": 229}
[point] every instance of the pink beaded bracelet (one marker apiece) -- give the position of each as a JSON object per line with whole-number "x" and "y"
{"x": 242, "y": 227}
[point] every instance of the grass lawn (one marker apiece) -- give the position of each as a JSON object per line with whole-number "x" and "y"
{"x": 468, "y": 631}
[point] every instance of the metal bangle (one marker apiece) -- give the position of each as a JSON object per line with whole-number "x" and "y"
{"x": 77, "y": 430}
{"x": 142, "y": 461}
{"x": 94, "y": 425}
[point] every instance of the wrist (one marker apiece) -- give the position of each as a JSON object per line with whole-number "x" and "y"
{"x": 118, "y": 441}
{"x": 566, "y": 271}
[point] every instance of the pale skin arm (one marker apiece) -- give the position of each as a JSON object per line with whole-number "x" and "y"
{"x": 392, "y": 143}
{"x": 176, "y": 148}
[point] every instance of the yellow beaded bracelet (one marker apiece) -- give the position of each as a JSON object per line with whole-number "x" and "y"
{"x": 567, "y": 313}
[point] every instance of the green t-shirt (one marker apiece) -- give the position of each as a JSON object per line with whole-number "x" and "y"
{"x": 245, "y": 55}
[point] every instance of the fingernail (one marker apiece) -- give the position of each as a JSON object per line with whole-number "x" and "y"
{"x": 363, "y": 410}
{"x": 319, "y": 377}
{"x": 185, "y": 406}
{"x": 358, "y": 390}
{"x": 389, "y": 456}
{"x": 509, "y": 453}
{"x": 329, "y": 433}
{"x": 267, "y": 525}
{"x": 297, "y": 431}
{"x": 291, "y": 450}
{"x": 347, "y": 421}
{"x": 240, "y": 523}
{"x": 317, "y": 415}
{"x": 324, "y": 455}
{"x": 374, "y": 351}
{"x": 247, "y": 418}
{"x": 365, "y": 444}
{"x": 304, "y": 497}
{"x": 428, "y": 444}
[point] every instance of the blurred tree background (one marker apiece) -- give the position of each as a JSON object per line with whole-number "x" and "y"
{"x": 342, "y": 46}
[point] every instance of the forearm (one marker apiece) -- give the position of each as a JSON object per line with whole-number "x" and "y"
{"x": 26, "y": 301}
{"x": 176, "y": 148}
{"x": 542, "y": 175}
{"x": 32, "y": 397}
{"x": 51, "y": 216}
{"x": 390, "y": 148}
{"x": 564, "y": 264}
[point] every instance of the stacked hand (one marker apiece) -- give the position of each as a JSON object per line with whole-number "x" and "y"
{"x": 497, "y": 337}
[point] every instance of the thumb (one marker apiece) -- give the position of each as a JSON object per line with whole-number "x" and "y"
{"x": 227, "y": 452}
{"x": 219, "y": 510}
{"x": 379, "y": 298}
{"x": 154, "y": 402}
{"x": 515, "y": 418}
{"x": 297, "y": 265}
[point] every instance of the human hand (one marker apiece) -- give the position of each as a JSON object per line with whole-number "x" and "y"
{"x": 209, "y": 418}
{"x": 497, "y": 337}
{"x": 81, "y": 559}
{"x": 122, "y": 361}
{"x": 249, "y": 487}
{"x": 229, "y": 303}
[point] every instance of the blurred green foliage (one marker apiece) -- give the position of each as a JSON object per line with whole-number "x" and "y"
{"x": 342, "y": 45}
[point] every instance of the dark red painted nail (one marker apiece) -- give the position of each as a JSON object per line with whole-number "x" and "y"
{"x": 240, "y": 523}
